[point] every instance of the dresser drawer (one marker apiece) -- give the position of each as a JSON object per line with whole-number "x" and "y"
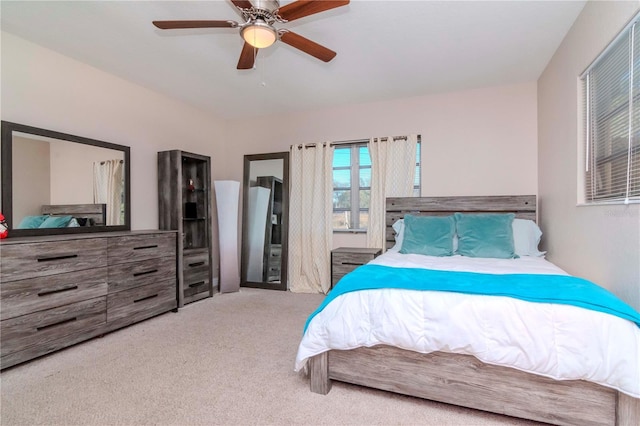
{"x": 196, "y": 263}
{"x": 30, "y": 260}
{"x": 38, "y": 294}
{"x": 141, "y": 247}
{"x": 129, "y": 275}
{"x": 42, "y": 327}
{"x": 133, "y": 305}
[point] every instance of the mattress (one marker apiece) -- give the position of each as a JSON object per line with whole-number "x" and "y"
{"x": 562, "y": 342}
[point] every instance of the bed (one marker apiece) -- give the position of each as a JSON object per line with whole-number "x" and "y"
{"x": 455, "y": 373}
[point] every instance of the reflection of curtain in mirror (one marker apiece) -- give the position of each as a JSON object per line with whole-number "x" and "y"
{"x": 108, "y": 185}
{"x": 257, "y": 214}
{"x": 310, "y": 227}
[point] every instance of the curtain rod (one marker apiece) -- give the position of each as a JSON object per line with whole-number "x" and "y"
{"x": 102, "y": 162}
{"x": 356, "y": 141}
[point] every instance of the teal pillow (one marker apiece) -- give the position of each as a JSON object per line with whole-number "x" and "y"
{"x": 31, "y": 222}
{"x": 56, "y": 222}
{"x": 428, "y": 235}
{"x": 485, "y": 235}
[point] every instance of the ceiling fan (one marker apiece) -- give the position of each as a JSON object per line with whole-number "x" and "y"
{"x": 258, "y": 30}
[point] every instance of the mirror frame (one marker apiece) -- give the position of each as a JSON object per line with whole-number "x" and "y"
{"x": 284, "y": 279}
{"x": 7, "y": 182}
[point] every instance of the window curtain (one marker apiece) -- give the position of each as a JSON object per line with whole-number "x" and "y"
{"x": 310, "y": 218}
{"x": 108, "y": 184}
{"x": 393, "y": 168}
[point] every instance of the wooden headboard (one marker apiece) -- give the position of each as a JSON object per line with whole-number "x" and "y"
{"x": 96, "y": 212}
{"x": 524, "y": 207}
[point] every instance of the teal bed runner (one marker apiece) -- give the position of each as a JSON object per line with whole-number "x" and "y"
{"x": 561, "y": 289}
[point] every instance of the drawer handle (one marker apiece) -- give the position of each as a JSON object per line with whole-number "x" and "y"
{"x": 58, "y": 257}
{"x": 145, "y": 247}
{"x": 198, "y": 284}
{"x": 145, "y": 298}
{"x": 352, "y": 263}
{"x": 196, "y": 264}
{"x": 60, "y": 290}
{"x": 55, "y": 324}
{"x": 137, "y": 274}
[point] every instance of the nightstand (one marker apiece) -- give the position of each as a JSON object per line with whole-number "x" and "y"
{"x": 346, "y": 259}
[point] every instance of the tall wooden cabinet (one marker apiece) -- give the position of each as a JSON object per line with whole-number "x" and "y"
{"x": 184, "y": 204}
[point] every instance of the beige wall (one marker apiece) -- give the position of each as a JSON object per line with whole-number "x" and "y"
{"x": 30, "y": 169}
{"x": 72, "y": 171}
{"x": 476, "y": 142}
{"x": 44, "y": 89}
{"x": 600, "y": 243}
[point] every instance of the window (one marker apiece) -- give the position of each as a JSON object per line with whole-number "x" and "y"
{"x": 352, "y": 185}
{"x": 611, "y": 117}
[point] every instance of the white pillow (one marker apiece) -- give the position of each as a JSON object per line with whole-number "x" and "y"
{"x": 398, "y": 227}
{"x": 526, "y": 237}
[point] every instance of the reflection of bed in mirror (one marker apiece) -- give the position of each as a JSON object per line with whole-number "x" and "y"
{"x": 94, "y": 214}
{"x": 66, "y": 216}
{"x": 46, "y": 168}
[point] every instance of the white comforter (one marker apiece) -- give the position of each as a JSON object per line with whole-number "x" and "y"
{"x": 559, "y": 341}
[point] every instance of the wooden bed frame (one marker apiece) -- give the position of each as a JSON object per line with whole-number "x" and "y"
{"x": 96, "y": 212}
{"x": 463, "y": 379}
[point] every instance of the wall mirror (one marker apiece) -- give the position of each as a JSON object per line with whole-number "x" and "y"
{"x": 265, "y": 216}
{"x": 56, "y": 183}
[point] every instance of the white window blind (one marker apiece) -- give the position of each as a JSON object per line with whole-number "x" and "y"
{"x": 611, "y": 114}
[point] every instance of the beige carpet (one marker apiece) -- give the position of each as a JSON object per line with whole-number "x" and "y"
{"x": 224, "y": 360}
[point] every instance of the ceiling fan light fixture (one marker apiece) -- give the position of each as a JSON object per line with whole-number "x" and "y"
{"x": 259, "y": 34}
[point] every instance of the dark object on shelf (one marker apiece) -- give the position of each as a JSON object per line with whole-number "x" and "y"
{"x": 190, "y": 210}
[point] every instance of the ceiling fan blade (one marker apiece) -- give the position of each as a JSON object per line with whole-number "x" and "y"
{"x": 247, "y": 57}
{"x": 307, "y": 46}
{"x": 302, "y": 8}
{"x": 243, "y": 4}
{"x": 171, "y": 25}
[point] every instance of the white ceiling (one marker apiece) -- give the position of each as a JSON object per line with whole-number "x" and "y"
{"x": 386, "y": 49}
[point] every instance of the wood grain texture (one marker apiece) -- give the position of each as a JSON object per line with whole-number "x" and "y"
{"x": 40, "y": 327}
{"x": 30, "y": 260}
{"x": 175, "y": 169}
{"x": 64, "y": 298}
{"x": 140, "y": 247}
{"x": 124, "y": 276}
{"x": 319, "y": 374}
{"x": 37, "y": 294}
{"x": 466, "y": 381}
{"x": 96, "y": 212}
{"x": 628, "y": 410}
{"x": 346, "y": 259}
{"x": 133, "y": 305}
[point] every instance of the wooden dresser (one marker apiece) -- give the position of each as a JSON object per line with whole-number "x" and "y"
{"x": 59, "y": 290}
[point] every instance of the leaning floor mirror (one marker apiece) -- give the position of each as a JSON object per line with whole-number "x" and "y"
{"x": 265, "y": 216}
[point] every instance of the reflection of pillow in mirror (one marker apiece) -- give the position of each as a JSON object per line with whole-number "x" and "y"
{"x": 32, "y": 222}
{"x": 56, "y": 222}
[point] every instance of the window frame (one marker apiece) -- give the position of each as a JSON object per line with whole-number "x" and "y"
{"x": 595, "y": 166}
{"x": 355, "y": 208}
